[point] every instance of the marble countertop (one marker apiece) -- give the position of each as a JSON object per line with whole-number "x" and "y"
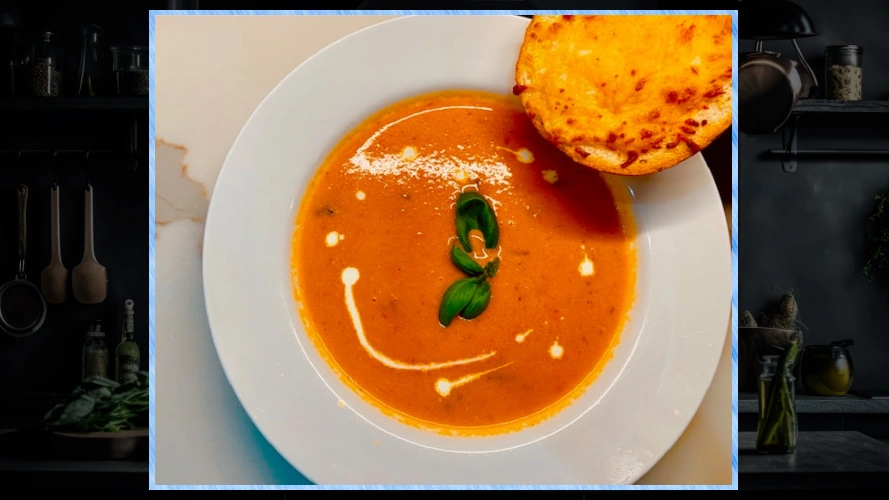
{"x": 210, "y": 74}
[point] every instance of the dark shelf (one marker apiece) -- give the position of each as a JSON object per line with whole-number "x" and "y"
{"x": 825, "y": 460}
{"x": 748, "y": 402}
{"x": 74, "y": 103}
{"x": 812, "y": 106}
{"x": 845, "y": 153}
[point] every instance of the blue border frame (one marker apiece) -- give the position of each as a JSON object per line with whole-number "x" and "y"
{"x": 151, "y": 227}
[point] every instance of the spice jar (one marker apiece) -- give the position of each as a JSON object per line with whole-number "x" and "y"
{"x": 45, "y": 68}
{"x": 130, "y": 65}
{"x": 94, "y": 355}
{"x": 842, "y": 78}
{"x": 827, "y": 370}
{"x": 777, "y": 430}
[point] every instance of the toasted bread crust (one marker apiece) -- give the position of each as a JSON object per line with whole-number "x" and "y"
{"x": 628, "y": 95}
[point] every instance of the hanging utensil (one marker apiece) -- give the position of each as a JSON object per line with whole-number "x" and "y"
{"x": 89, "y": 279}
{"x": 54, "y": 279}
{"x": 22, "y": 308}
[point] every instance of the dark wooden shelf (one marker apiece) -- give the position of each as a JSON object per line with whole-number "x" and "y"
{"x": 749, "y": 403}
{"x": 74, "y": 103}
{"x": 813, "y": 106}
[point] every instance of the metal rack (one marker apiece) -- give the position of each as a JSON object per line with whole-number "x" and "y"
{"x": 790, "y": 152}
{"x": 131, "y": 160}
{"x": 130, "y": 156}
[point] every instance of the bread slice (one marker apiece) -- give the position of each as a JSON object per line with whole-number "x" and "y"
{"x": 628, "y": 95}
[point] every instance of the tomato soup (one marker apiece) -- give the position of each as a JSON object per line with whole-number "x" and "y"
{"x": 372, "y": 263}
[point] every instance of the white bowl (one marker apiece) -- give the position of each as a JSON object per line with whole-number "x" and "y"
{"x": 615, "y": 432}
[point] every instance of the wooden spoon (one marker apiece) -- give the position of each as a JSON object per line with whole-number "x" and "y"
{"x": 89, "y": 279}
{"x": 54, "y": 279}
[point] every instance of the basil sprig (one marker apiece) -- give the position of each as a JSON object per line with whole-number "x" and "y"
{"x": 469, "y": 297}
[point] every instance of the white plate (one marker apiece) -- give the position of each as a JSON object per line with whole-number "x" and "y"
{"x": 614, "y": 433}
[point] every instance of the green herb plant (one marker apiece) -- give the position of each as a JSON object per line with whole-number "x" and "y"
{"x": 878, "y": 259}
{"x": 470, "y": 296}
{"x": 100, "y": 404}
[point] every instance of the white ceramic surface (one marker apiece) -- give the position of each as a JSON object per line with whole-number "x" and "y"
{"x": 622, "y": 425}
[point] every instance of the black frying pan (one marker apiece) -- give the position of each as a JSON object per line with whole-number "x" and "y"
{"x": 22, "y": 308}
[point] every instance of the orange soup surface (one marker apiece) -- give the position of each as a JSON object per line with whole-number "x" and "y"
{"x": 371, "y": 263}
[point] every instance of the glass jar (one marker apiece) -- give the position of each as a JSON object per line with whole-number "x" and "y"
{"x": 842, "y": 72}
{"x": 777, "y": 430}
{"x": 45, "y": 71}
{"x": 827, "y": 370}
{"x": 130, "y": 66}
{"x": 92, "y": 79}
{"x": 94, "y": 355}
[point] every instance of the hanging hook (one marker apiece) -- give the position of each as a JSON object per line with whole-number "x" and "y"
{"x": 54, "y": 169}
{"x": 87, "y": 175}
{"x": 789, "y": 159}
{"x": 18, "y": 166}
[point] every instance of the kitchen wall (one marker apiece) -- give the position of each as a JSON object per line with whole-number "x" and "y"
{"x": 806, "y": 231}
{"x": 37, "y": 370}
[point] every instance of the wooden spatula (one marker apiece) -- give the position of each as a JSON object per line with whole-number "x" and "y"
{"x": 54, "y": 279}
{"x": 89, "y": 279}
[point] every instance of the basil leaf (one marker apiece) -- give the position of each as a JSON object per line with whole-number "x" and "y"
{"x": 470, "y": 201}
{"x": 473, "y": 212}
{"x": 76, "y": 410}
{"x": 487, "y": 224}
{"x": 492, "y": 267}
{"x": 479, "y": 302}
{"x": 465, "y": 224}
{"x": 465, "y": 262}
{"x": 455, "y": 299}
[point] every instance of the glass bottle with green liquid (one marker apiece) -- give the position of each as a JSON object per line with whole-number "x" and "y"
{"x": 777, "y": 431}
{"x": 126, "y": 356}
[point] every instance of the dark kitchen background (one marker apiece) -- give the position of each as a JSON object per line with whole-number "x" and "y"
{"x": 807, "y": 232}
{"x": 71, "y": 138}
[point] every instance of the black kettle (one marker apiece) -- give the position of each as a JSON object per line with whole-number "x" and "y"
{"x": 769, "y": 84}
